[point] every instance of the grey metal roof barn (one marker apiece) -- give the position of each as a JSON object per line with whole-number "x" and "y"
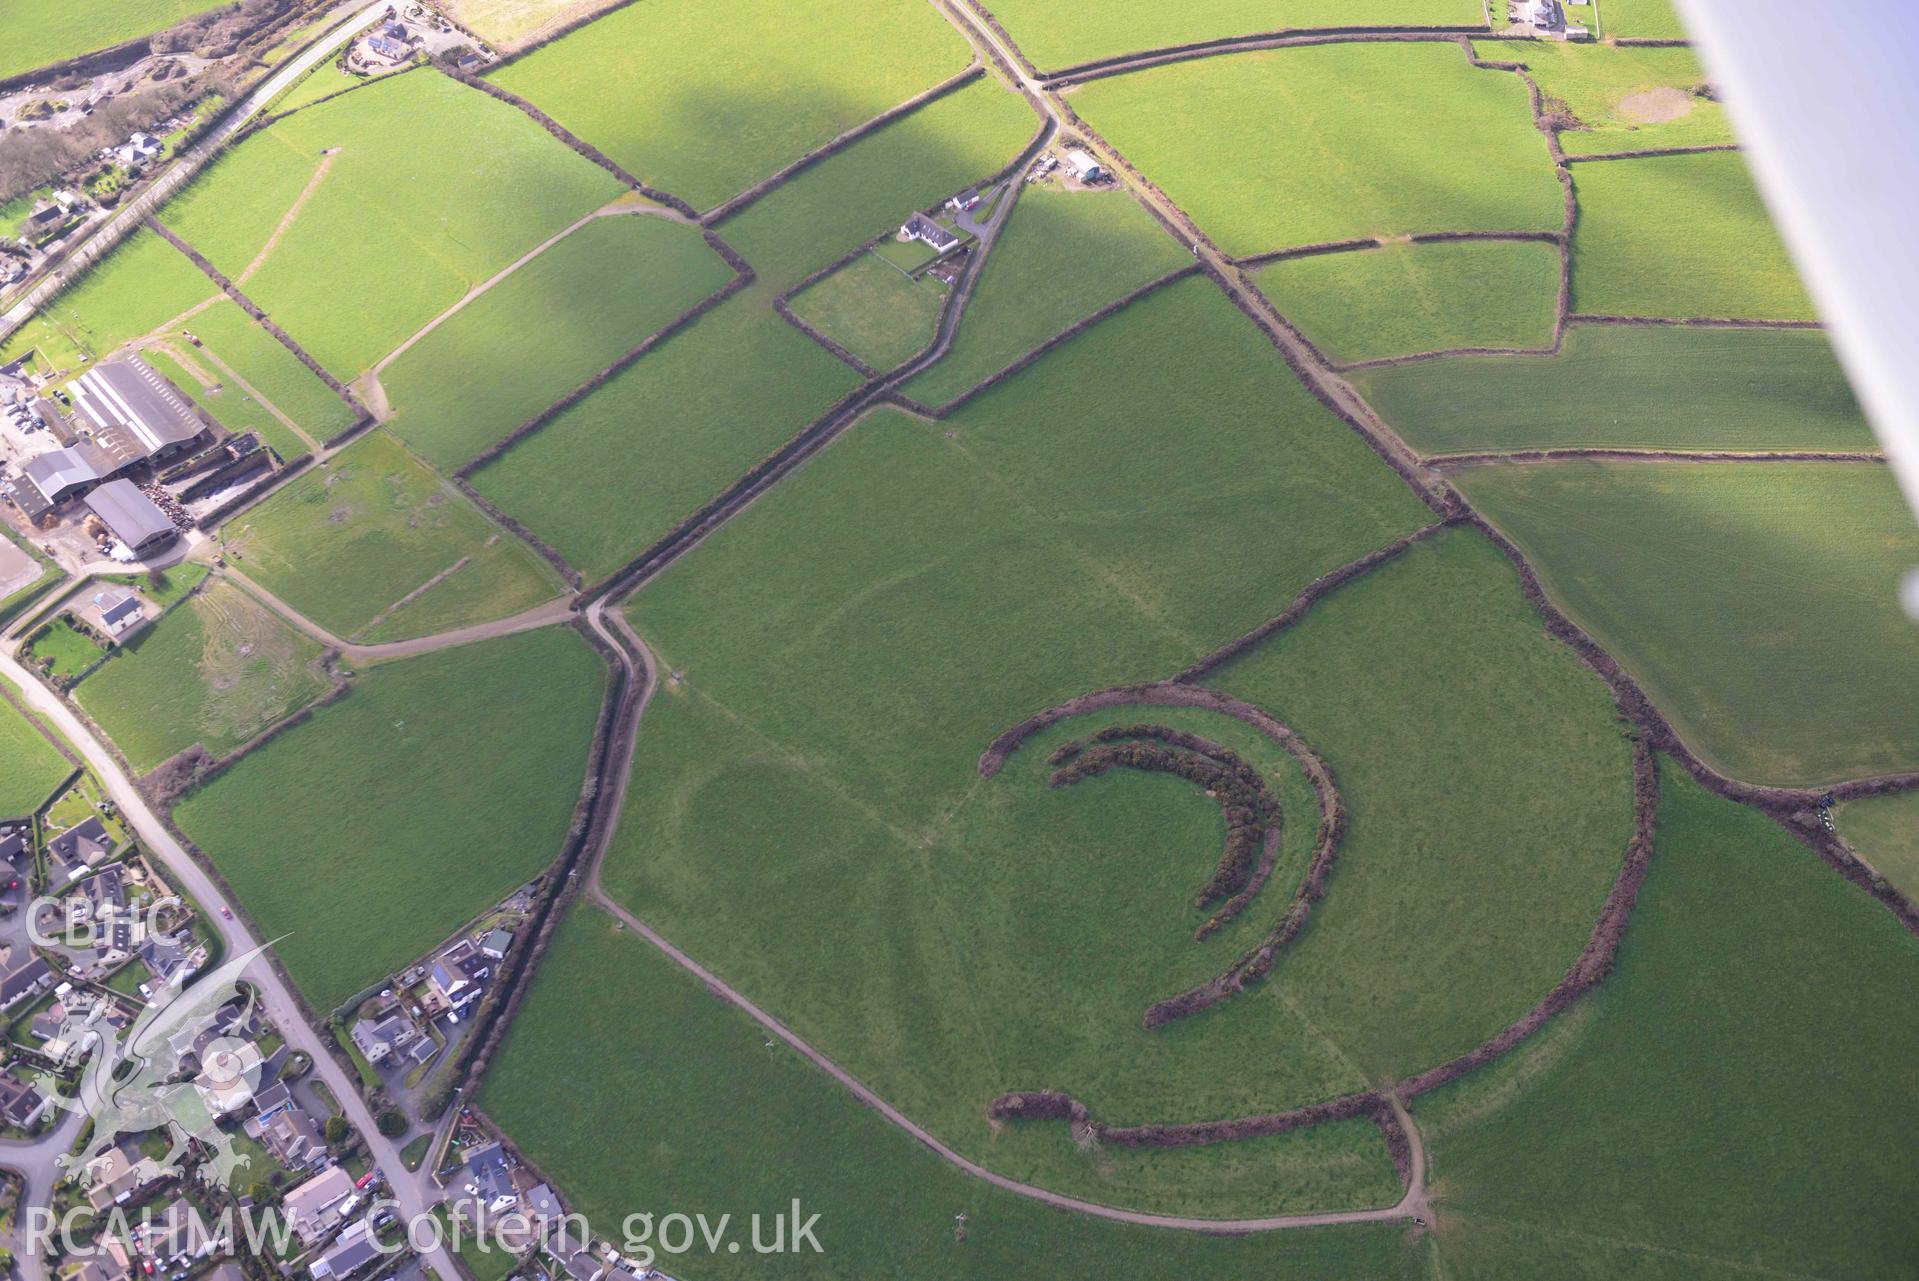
{"x": 129, "y": 394}
{"x": 131, "y": 515}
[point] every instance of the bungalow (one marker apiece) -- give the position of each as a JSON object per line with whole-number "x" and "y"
{"x": 316, "y": 1205}
{"x": 920, "y": 227}
{"x": 176, "y": 1236}
{"x": 169, "y": 962}
{"x": 113, "y": 1176}
{"x": 26, "y": 980}
{"x": 294, "y": 1139}
{"x": 20, "y": 1104}
{"x": 357, "y": 1248}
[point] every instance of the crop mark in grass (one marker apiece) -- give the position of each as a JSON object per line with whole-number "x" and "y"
{"x": 281, "y": 228}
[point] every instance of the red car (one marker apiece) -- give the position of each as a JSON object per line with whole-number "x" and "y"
{"x": 227, "y": 912}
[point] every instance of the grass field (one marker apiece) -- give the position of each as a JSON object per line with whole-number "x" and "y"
{"x": 874, "y": 310}
{"x": 30, "y": 768}
{"x": 873, "y": 186}
{"x": 1630, "y": 387}
{"x": 345, "y": 542}
{"x": 670, "y": 432}
{"x": 1062, "y": 257}
{"x": 703, "y": 102}
{"x": 1680, "y": 236}
{"x": 1136, "y": 550}
{"x": 392, "y": 817}
{"x": 430, "y": 187}
{"x": 1679, "y": 1136}
{"x": 1057, "y": 33}
{"x": 544, "y": 330}
{"x": 1332, "y": 142}
{"x": 1640, "y": 20}
{"x": 1628, "y": 99}
{"x": 64, "y": 649}
{"x": 226, "y": 403}
{"x": 1885, "y": 831}
{"x": 235, "y": 340}
{"x": 216, "y": 671}
{"x": 139, "y": 287}
{"x": 1756, "y": 603}
{"x": 1408, "y": 298}
{"x": 726, "y": 1124}
{"x": 507, "y": 24}
{"x": 35, "y": 33}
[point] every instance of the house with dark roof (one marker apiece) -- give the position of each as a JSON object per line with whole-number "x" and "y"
{"x": 26, "y": 980}
{"x": 270, "y": 1100}
{"x": 458, "y": 977}
{"x": 921, "y": 228}
{"x": 121, "y": 611}
{"x": 176, "y": 1236}
{"x": 20, "y": 1104}
{"x": 81, "y": 847}
{"x": 380, "y": 1038}
{"x": 967, "y": 199}
{"x": 293, "y": 1138}
{"x": 15, "y": 833}
{"x": 355, "y": 1249}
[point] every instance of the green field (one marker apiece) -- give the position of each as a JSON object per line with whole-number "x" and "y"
{"x": 346, "y": 541}
{"x": 544, "y": 330}
{"x": 1640, "y": 20}
{"x": 30, "y": 768}
{"x": 139, "y": 287}
{"x": 1627, "y": 99}
{"x": 216, "y": 671}
{"x": 873, "y": 186}
{"x": 1885, "y": 831}
{"x": 669, "y": 433}
{"x": 225, "y": 403}
{"x": 233, "y": 338}
{"x": 1756, "y": 603}
{"x": 1630, "y": 387}
{"x": 729, "y": 1125}
{"x": 874, "y": 310}
{"x": 323, "y": 81}
{"x": 1136, "y": 550}
{"x": 1722, "y": 1111}
{"x": 63, "y": 649}
{"x": 394, "y": 816}
{"x": 430, "y": 188}
{"x": 1408, "y": 298}
{"x": 702, "y": 102}
{"x": 1062, "y": 256}
{"x": 1297, "y": 146}
{"x": 36, "y": 33}
{"x": 1679, "y": 236}
{"x": 1057, "y": 33}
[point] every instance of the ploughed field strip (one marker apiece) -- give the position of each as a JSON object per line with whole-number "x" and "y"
{"x": 1408, "y": 299}
{"x": 409, "y": 216}
{"x": 1332, "y": 142}
{"x": 704, "y": 102}
{"x": 1757, "y": 604}
{"x": 1629, "y": 387}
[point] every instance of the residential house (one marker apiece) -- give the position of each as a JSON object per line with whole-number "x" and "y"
{"x": 966, "y": 200}
{"x": 294, "y": 1139}
{"x": 387, "y": 47}
{"x": 81, "y": 847}
{"x": 920, "y": 227}
{"x": 458, "y": 977}
{"x": 169, "y": 960}
{"x": 16, "y": 837}
{"x": 379, "y": 1038}
{"x": 20, "y": 1104}
{"x": 26, "y": 980}
{"x": 113, "y": 1176}
{"x": 315, "y": 1206}
{"x": 271, "y": 1100}
{"x": 110, "y": 1260}
{"x": 227, "y": 1077}
{"x": 496, "y": 944}
{"x": 356, "y": 1249}
{"x": 487, "y": 1179}
{"x": 176, "y": 1236}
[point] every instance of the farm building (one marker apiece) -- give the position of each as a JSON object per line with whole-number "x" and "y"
{"x": 131, "y": 517}
{"x": 54, "y": 477}
{"x": 1084, "y": 167}
{"x": 920, "y": 227}
{"x": 967, "y": 199}
{"x": 134, "y": 411}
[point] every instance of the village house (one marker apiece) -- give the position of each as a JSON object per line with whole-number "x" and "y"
{"x": 381, "y": 1037}
{"x": 113, "y": 1260}
{"x": 28, "y": 979}
{"x": 20, "y": 1104}
{"x": 356, "y": 1249}
{"x": 113, "y": 1176}
{"x": 293, "y": 1138}
{"x": 176, "y": 1236}
{"x": 227, "y": 1077}
{"x": 457, "y": 979}
{"x": 923, "y": 229}
{"x": 316, "y": 1205}
{"x": 119, "y": 611}
{"x": 79, "y": 848}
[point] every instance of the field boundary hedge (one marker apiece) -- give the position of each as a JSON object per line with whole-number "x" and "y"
{"x": 570, "y": 575}
{"x": 1451, "y": 462}
{"x": 727, "y": 208}
{"x": 1651, "y": 152}
{"x": 1284, "y": 38}
{"x": 1693, "y": 322}
{"x": 253, "y": 309}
